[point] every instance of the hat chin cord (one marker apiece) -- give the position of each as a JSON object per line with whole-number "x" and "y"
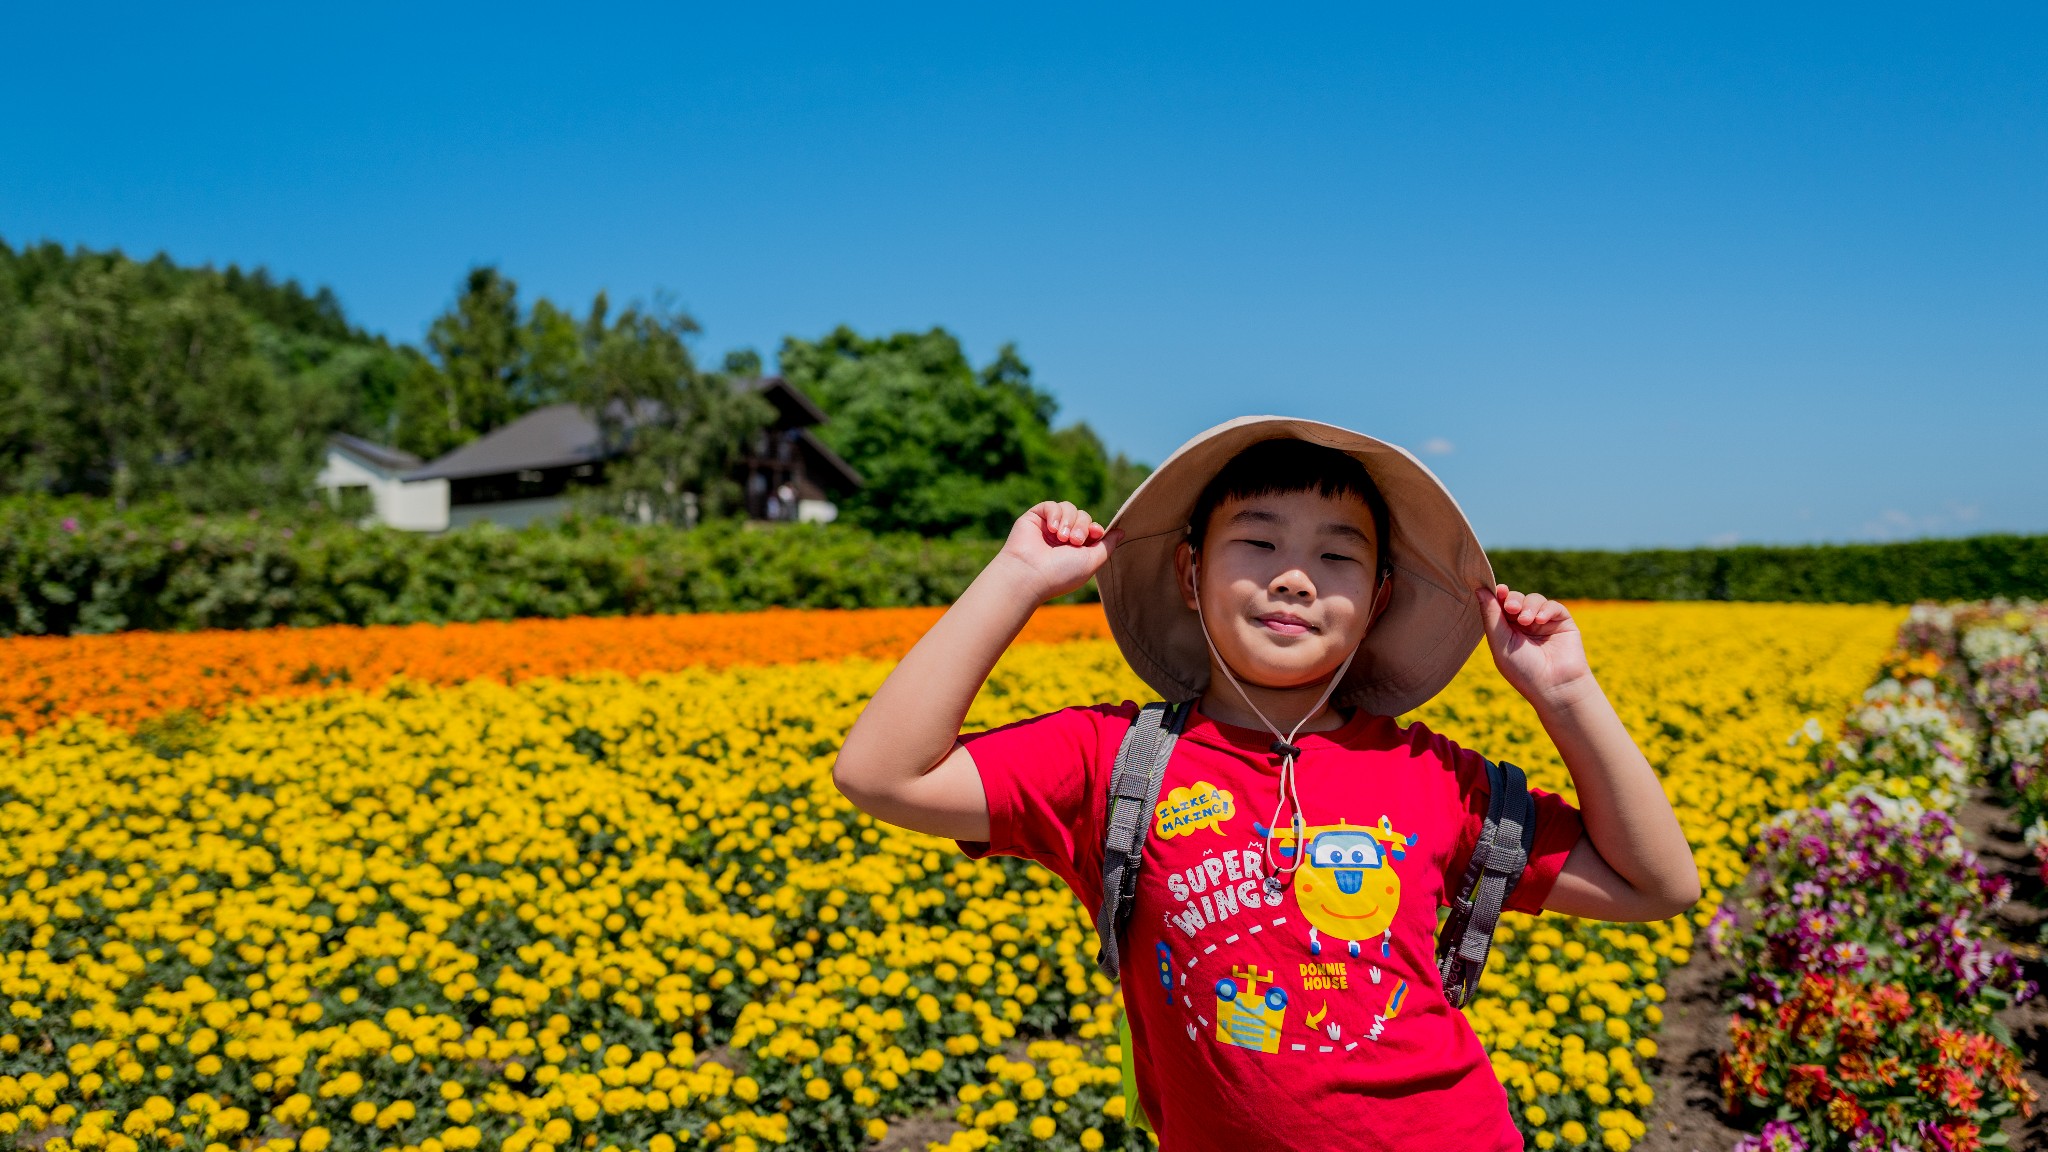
{"x": 1283, "y": 745}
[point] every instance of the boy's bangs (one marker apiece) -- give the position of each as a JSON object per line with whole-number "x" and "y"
{"x": 1280, "y": 467}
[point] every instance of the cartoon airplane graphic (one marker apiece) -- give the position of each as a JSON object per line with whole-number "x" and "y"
{"x": 1345, "y": 887}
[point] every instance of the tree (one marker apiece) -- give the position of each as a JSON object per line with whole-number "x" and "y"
{"x": 127, "y": 382}
{"x": 487, "y": 363}
{"x": 944, "y": 449}
{"x": 139, "y": 380}
{"x": 678, "y": 434}
{"x": 481, "y": 357}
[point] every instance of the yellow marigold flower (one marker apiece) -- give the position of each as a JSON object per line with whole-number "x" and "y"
{"x": 817, "y": 1089}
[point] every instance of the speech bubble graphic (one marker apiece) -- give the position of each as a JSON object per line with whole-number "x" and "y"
{"x": 1201, "y": 805}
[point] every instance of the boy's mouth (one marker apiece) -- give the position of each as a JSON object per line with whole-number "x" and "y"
{"x": 1286, "y": 623}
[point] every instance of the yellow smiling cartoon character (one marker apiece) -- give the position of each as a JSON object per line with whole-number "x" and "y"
{"x": 1347, "y": 886}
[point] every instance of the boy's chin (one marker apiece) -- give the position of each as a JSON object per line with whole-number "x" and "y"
{"x": 1281, "y": 678}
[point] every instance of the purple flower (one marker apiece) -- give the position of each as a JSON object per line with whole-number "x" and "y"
{"x": 1777, "y": 1136}
{"x": 70, "y": 524}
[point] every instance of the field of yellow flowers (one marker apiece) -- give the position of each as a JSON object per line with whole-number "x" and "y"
{"x": 628, "y": 909}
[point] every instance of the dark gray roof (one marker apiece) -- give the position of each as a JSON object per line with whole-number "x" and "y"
{"x": 831, "y": 459}
{"x": 550, "y": 437}
{"x": 370, "y": 452}
{"x": 561, "y": 435}
{"x": 797, "y": 409}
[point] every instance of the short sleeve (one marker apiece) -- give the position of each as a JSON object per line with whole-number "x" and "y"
{"x": 1045, "y": 779}
{"x": 1558, "y": 829}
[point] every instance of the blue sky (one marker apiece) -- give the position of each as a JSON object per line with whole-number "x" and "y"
{"x": 1628, "y": 277}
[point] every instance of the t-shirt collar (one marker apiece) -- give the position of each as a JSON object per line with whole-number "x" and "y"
{"x": 1259, "y": 742}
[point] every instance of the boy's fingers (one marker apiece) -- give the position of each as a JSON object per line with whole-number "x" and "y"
{"x": 1066, "y": 520}
{"x": 1048, "y": 512}
{"x": 1490, "y": 609}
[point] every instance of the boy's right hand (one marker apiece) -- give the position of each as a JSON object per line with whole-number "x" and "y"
{"x": 1057, "y": 547}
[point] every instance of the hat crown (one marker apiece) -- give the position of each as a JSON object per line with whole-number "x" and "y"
{"x": 1432, "y": 620}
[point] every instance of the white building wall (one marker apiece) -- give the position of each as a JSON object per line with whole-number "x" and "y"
{"x": 420, "y": 506}
{"x": 416, "y": 506}
{"x": 345, "y": 471}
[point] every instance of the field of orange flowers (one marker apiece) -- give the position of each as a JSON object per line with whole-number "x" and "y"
{"x": 131, "y": 676}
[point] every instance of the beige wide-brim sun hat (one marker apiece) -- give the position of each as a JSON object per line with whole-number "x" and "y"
{"x": 1431, "y": 623}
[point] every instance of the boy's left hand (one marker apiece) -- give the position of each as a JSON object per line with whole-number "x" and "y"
{"x": 1535, "y": 643}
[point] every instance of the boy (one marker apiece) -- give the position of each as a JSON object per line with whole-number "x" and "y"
{"x": 1290, "y": 571}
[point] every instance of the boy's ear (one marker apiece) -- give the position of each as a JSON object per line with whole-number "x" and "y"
{"x": 1184, "y": 573}
{"x": 1382, "y": 596}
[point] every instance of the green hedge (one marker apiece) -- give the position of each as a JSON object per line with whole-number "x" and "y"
{"x": 76, "y": 566}
{"x": 1972, "y": 568}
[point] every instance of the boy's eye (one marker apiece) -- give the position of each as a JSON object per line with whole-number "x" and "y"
{"x": 1266, "y": 544}
{"x": 1335, "y": 556}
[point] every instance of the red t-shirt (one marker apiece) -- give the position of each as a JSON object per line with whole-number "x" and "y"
{"x": 1259, "y": 1024}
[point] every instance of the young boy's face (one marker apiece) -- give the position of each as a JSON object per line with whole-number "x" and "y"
{"x": 1287, "y": 583}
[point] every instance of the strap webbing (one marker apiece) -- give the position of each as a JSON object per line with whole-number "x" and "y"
{"x": 1133, "y": 790}
{"x": 1498, "y": 859}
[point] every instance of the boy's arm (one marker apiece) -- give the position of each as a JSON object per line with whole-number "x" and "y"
{"x": 1633, "y": 862}
{"x": 902, "y": 761}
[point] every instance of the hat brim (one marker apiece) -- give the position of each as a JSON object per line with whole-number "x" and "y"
{"x": 1432, "y": 620}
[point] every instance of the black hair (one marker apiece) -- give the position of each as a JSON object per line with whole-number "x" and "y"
{"x": 1275, "y": 467}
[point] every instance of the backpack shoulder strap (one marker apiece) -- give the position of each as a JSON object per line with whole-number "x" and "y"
{"x": 1498, "y": 859}
{"x": 1133, "y": 790}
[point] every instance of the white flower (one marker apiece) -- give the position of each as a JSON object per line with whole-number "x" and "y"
{"x": 2019, "y": 742}
{"x": 1991, "y": 642}
{"x": 2037, "y": 835}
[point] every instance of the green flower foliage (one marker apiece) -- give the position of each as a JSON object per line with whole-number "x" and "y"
{"x": 75, "y": 566}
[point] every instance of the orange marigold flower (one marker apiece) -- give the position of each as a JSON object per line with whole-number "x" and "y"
{"x": 129, "y": 677}
{"x": 1845, "y": 1114}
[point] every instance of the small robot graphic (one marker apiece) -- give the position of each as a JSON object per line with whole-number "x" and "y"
{"x": 1345, "y": 887}
{"x": 1243, "y": 1017}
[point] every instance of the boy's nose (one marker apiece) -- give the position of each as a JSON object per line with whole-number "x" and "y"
{"x": 1294, "y": 584}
